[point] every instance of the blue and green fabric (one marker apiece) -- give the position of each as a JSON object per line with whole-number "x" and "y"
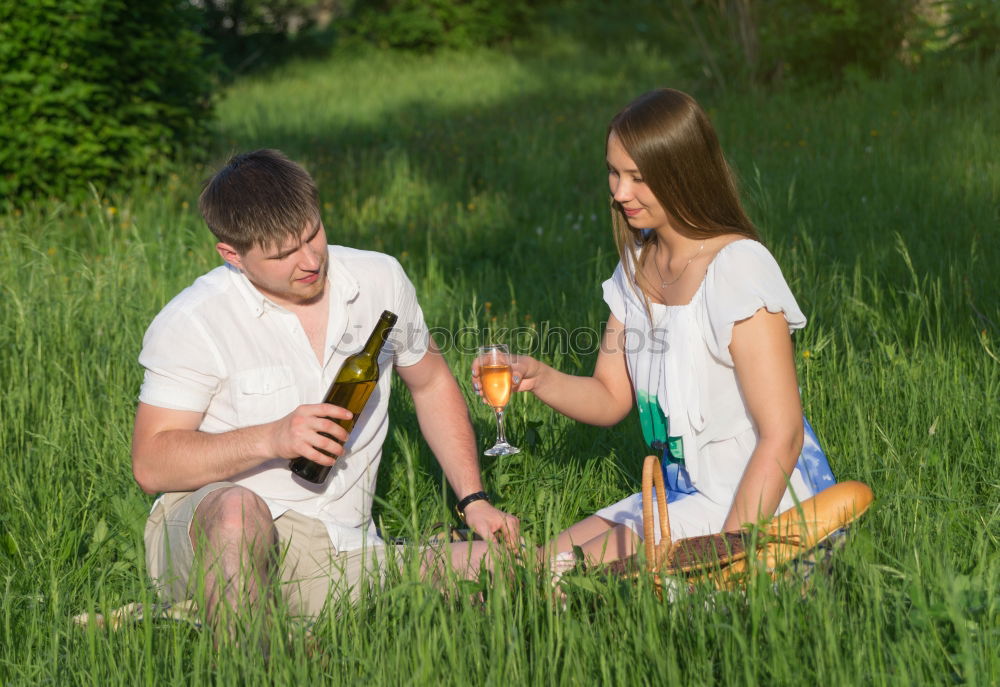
{"x": 812, "y": 463}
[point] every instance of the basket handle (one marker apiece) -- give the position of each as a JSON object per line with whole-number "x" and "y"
{"x": 652, "y": 477}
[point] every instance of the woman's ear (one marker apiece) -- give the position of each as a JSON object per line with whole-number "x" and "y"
{"x": 230, "y": 255}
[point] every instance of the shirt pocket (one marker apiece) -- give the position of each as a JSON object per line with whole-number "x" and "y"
{"x": 264, "y": 394}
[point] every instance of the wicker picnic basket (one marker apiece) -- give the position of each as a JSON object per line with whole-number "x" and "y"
{"x": 725, "y": 559}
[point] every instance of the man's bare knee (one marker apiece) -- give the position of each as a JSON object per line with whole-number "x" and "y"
{"x": 234, "y": 514}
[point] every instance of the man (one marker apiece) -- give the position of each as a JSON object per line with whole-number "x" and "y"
{"x": 233, "y": 367}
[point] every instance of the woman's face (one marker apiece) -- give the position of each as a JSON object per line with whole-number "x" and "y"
{"x": 636, "y": 199}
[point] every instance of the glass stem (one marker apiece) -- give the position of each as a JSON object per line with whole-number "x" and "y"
{"x": 501, "y": 435}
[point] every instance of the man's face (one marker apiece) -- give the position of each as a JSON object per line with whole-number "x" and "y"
{"x": 293, "y": 273}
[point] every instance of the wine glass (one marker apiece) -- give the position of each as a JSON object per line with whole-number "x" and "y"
{"x": 495, "y": 380}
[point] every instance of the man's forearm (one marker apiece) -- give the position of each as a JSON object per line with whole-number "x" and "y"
{"x": 169, "y": 453}
{"x": 444, "y": 422}
{"x": 184, "y": 459}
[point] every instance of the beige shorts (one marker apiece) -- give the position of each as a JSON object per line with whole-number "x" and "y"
{"x": 312, "y": 570}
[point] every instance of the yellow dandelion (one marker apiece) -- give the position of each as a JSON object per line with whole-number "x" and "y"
{"x": 802, "y": 142}
{"x": 807, "y": 354}
{"x": 184, "y": 204}
{"x": 112, "y": 210}
{"x": 51, "y": 250}
{"x": 874, "y": 132}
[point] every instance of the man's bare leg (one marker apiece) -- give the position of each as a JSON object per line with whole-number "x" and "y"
{"x": 465, "y": 559}
{"x": 234, "y": 537}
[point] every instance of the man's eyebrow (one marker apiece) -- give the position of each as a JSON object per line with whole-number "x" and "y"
{"x": 285, "y": 253}
{"x": 282, "y": 253}
{"x": 315, "y": 231}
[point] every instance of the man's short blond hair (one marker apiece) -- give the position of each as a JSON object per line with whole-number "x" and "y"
{"x": 260, "y": 199}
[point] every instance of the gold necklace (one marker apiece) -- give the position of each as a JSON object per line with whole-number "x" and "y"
{"x": 664, "y": 284}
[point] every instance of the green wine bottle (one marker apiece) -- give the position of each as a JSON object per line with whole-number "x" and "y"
{"x": 351, "y": 388}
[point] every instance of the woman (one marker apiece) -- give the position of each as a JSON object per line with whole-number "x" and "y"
{"x": 698, "y": 336}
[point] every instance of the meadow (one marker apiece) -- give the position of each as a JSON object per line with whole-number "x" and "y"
{"x": 483, "y": 173}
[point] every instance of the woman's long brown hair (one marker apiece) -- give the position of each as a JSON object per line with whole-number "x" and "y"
{"x": 674, "y": 146}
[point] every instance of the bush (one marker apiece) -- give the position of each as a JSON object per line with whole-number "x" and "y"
{"x": 97, "y": 91}
{"x": 254, "y": 34}
{"x": 966, "y": 29}
{"x": 807, "y": 41}
{"x": 428, "y": 24}
{"x": 804, "y": 41}
{"x": 820, "y": 39}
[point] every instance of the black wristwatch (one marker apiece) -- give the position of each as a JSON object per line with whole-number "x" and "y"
{"x": 475, "y": 496}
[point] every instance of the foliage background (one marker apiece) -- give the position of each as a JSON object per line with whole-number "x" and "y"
{"x": 94, "y": 92}
{"x": 104, "y": 92}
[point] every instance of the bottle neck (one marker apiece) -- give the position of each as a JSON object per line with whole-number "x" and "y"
{"x": 380, "y": 334}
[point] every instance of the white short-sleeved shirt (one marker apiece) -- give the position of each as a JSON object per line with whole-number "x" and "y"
{"x": 223, "y": 349}
{"x": 685, "y": 382}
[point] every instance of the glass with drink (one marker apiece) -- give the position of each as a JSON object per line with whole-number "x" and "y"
{"x": 495, "y": 380}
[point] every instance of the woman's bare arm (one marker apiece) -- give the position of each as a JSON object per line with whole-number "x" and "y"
{"x": 765, "y": 368}
{"x": 603, "y": 398}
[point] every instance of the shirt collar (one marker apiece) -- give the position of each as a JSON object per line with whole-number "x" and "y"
{"x": 342, "y": 283}
{"x": 341, "y": 280}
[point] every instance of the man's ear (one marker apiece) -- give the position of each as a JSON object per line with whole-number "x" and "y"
{"x": 230, "y": 255}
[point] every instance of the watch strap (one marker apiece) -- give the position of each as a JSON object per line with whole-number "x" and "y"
{"x": 471, "y": 498}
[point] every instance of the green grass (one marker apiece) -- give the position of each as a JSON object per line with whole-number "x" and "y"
{"x": 484, "y": 173}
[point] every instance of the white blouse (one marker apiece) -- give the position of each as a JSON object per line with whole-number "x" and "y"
{"x": 685, "y": 380}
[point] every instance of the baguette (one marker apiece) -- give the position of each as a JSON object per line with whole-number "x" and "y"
{"x": 723, "y": 557}
{"x": 802, "y": 528}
